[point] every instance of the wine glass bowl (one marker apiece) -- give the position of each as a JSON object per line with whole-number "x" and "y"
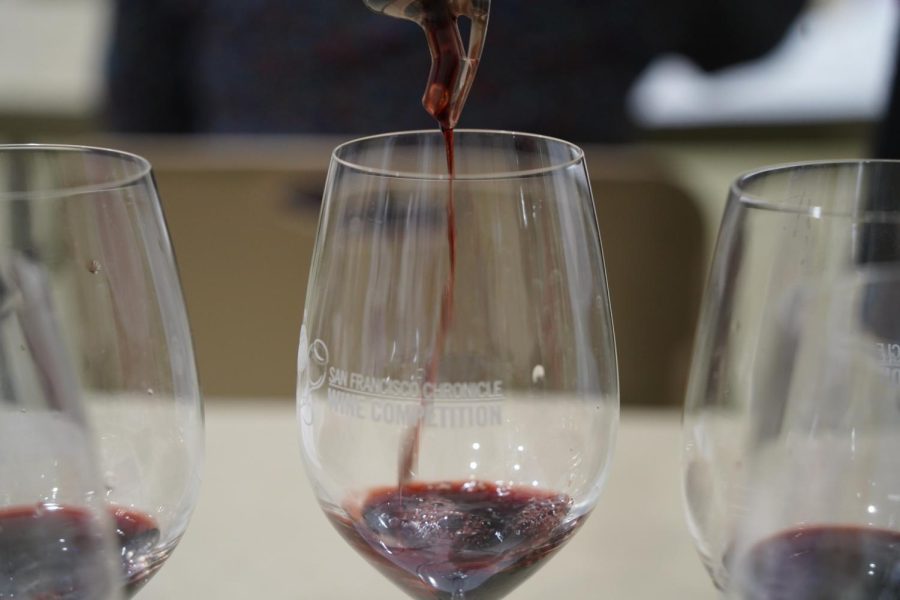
{"x": 796, "y": 306}
{"x": 91, "y": 220}
{"x": 508, "y": 390}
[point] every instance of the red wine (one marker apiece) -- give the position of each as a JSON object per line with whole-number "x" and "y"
{"x": 137, "y": 535}
{"x": 53, "y": 553}
{"x": 448, "y": 55}
{"x": 824, "y": 563}
{"x": 409, "y": 450}
{"x": 452, "y": 73}
{"x": 471, "y": 540}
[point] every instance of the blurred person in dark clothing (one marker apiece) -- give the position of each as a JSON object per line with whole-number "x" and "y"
{"x": 560, "y": 68}
{"x": 887, "y": 135}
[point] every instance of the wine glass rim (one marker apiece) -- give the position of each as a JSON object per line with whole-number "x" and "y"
{"x": 577, "y": 156}
{"x": 143, "y": 170}
{"x": 738, "y": 190}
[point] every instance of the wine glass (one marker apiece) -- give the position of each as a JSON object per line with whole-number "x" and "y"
{"x": 820, "y": 517}
{"x": 457, "y": 389}
{"x": 786, "y": 230}
{"x": 90, "y": 219}
{"x": 56, "y": 537}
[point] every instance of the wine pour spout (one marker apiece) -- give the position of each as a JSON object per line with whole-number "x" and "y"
{"x": 453, "y": 66}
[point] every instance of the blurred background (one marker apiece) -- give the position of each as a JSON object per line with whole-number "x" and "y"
{"x": 238, "y": 104}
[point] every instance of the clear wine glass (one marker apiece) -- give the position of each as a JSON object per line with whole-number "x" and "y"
{"x": 90, "y": 219}
{"x": 56, "y": 536}
{"x": 820, "y": 518}
{"x": 457, "y": 389}
{"x": 785, "y": 231}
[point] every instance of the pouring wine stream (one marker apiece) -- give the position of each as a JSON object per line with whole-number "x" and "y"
{"x": 453, "y": 70}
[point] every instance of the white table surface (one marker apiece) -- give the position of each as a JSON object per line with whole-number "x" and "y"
{"x": 258, "y": 532}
